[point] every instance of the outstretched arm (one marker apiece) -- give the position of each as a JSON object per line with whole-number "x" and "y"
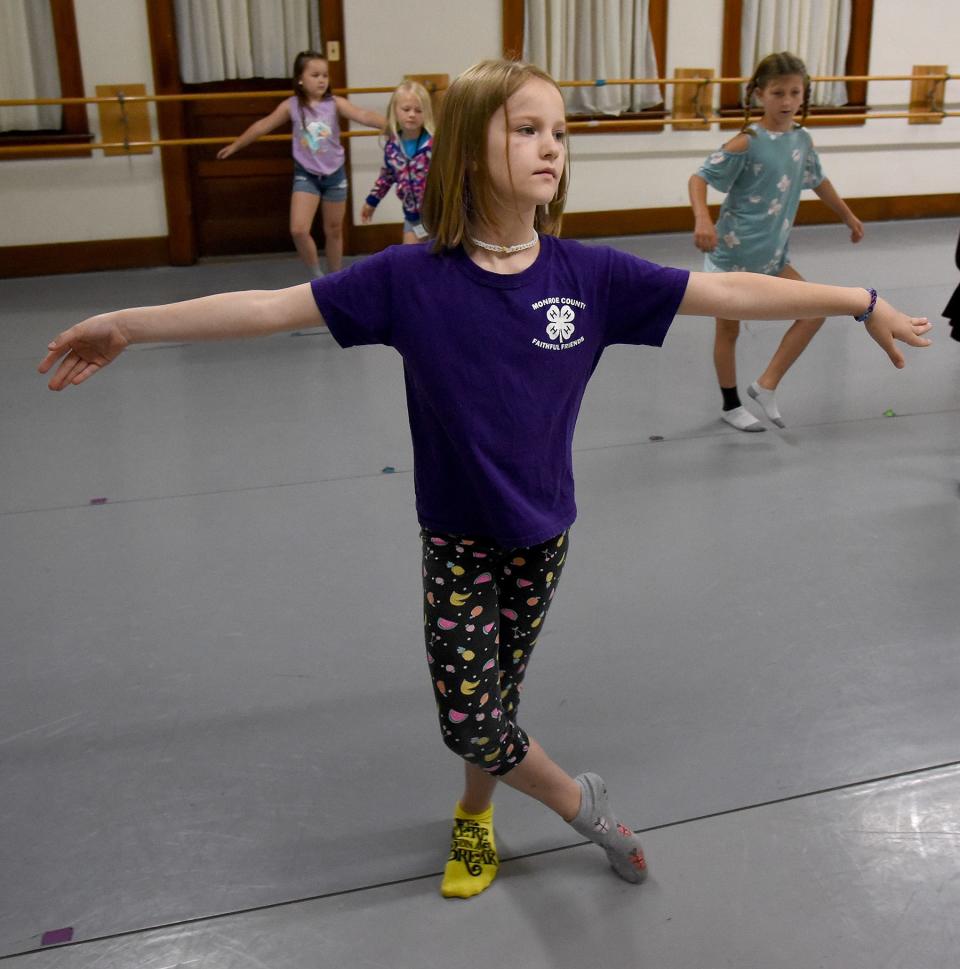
{"x": 258, "y": 129}
{"x": 753, "y": 296}
{"x": 829, "y": 195}
{"x": 361, "y": 115}
{"x": 89, "y": 346}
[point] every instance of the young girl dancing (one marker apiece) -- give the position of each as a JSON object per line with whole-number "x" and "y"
{"x": 319, "y": 175}
{"x": 406, "y": 157}
{"x": 500, "y": 325}
{"x": 763, "y": 170}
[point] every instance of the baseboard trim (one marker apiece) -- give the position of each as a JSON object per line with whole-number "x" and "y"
{"x": 78, "y": 257}
{"x": 625, "y": 222}
{"x": 55, "y": 258}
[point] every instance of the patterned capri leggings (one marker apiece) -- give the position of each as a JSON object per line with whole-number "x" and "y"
{"x": 484, "y": 608}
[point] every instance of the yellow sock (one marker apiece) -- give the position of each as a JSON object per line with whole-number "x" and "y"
{"x": 473, "y": 861}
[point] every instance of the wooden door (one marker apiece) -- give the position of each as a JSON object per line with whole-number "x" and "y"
{"x": 241, "y": 204}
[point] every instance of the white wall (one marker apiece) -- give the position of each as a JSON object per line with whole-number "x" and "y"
{"x": 104, "y": 198}
{"x": 884, "y": 157}
{"x": 414, "y": 37}
{"x": 76, "y": 199}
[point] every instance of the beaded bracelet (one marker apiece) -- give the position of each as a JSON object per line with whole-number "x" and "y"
{"x": 864, "y": 317}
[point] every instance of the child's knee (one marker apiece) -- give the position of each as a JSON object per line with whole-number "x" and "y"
{"x": 300, "y": 234}
{"x": 488, "y": 745}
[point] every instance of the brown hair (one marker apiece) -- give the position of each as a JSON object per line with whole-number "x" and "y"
{"x": 420, "y": 93}
{"x": 769, "y": 69}
{"x": 458, "y": 186}
{"x": 299, "y": 66}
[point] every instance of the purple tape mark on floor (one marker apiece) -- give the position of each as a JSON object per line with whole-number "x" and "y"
{"x": 98, "y": 501}
{"x": 57, "y": 936}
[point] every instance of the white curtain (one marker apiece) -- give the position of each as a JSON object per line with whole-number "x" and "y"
{"x": 225, "y": 39}
{"x": 817, "y": 31}
{"x": 577, "y": 40}
{"x": 27, "y": 67}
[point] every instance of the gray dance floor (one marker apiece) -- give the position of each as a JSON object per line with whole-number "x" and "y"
{"x": 217, "y": 738}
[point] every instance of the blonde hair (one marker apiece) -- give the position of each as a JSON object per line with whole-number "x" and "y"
{"x": 769, "y": 69}
{"x": 420, "y": 93}
{"x": 458, "y": 186}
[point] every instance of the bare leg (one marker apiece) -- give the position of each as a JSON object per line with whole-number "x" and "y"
{"x": 536, "y": 775}
{"x": 794, "y": 342}
{"x": 725, "y": 352}
{"x": 410, "y": 239}
{"x": 333, "y": 215}
{"x": 303, "y": 208}
{"x": 539, "y": 777}
{"x": 478, "y": 788}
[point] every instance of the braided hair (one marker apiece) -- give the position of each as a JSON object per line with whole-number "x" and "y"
{"x": 770, "y": 68}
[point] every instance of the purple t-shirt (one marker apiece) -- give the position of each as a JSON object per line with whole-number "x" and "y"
{"x": 316, "y": 136}
{"x": 496, "y": 367}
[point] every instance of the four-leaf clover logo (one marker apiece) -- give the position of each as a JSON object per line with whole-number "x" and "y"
{"x": 561, "y": 325}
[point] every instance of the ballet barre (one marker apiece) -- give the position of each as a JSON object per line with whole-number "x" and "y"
{"x": 688, "y": 111}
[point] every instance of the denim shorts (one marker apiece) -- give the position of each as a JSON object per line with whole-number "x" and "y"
{"x": 416, "y": 228}
{"x": 330, "y": 188}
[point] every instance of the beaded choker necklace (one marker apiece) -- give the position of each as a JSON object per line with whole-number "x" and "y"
{"x": 504, "y": 250}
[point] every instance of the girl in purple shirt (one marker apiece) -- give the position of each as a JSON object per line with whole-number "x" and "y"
{"x": 500, "y": 325}
{"x": 319, "y": 175}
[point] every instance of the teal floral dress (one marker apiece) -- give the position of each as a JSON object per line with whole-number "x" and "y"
{"x": 763, "y": 186}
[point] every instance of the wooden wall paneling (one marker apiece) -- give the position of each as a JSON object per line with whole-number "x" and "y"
{"x": 730, "y": 94}
{"x": 170, "y": 124}
{"x": 94, "y": 255}
{"x": 72, "y": 257}
{"x": 68, "y": 58}
{"x": 927, "y": 95}
{"x": 811, "y": 212}
{"x": 692, "y": 100}
{"x": 858, "y": 53}
{"x": 127, "y": 122}
{"x": 512, "y": 29}
{"x": 74, "y": 124}
{"x": 240, "y": 204}
{"x": 332, "y": 28}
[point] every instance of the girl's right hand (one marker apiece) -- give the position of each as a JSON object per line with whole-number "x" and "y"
{"x": 225, "y": 152}
{"x": 85, "y": 348}
{"x": 888, "y": 324}
{"x": 705, "y": 236}
{"x": 366, "y": 214}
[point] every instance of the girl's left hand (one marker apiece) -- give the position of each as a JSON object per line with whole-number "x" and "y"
{"x": 856, "y": 229}
{"x": 888, "y": 324}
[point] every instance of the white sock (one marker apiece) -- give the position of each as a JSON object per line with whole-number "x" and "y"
{"x": 742, "y": 419}
{"x": 768, "y": 401}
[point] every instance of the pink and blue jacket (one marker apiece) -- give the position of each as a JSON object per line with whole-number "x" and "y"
{"x": 408, "y": 174}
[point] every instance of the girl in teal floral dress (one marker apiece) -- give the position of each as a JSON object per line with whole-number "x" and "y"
{"x": 763, "y": 170}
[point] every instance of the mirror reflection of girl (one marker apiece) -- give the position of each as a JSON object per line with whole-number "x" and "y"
{"x": 319, "y": 174}
{"x": 763, "y": 170}
{"x": 406, "y": 157}
{"x": 500, "y": 325}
